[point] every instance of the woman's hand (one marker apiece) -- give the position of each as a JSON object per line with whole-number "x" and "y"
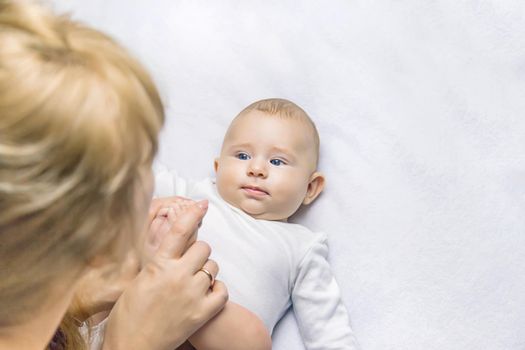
{"x": 170, "y": 298}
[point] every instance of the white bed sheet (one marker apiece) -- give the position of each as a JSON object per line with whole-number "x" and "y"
{"x": 420, "y": 106}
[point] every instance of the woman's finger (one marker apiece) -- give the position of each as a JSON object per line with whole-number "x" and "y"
{"x": 196, "y": 255}
{"x": 216, "y": 298}
{"x": 158, "y": 229}
{"x": 154, "y": 207}
{"x": 208, "y": 273}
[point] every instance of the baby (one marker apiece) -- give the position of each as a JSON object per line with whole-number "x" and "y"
{"x": 266, "y": 170}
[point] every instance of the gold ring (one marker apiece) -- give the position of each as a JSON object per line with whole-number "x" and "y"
{"x": 210, "y": 276}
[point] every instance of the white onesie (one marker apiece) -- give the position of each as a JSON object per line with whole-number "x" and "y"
{"x": 269, "y": 266}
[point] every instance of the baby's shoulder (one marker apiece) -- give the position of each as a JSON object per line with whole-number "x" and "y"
{"x": 299, "y": 235}
{"x": 298, "y": 229}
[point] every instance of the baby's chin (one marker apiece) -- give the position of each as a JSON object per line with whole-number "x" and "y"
{"x": 259, "y": 213}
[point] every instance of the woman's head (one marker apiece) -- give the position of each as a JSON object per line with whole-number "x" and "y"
{"x": 79, "y": 121}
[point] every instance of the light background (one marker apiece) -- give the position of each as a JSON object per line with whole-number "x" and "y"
{"x": 420, "y": 106}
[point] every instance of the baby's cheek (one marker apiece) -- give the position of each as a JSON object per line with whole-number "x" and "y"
{"x": 292, "y": 201}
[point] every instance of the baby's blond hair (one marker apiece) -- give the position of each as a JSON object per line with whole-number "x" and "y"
{"x": 288, "y": 110}
{"x": 79, "y": 123}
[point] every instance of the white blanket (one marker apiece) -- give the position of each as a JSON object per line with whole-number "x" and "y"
{"x": 421, "y": 110}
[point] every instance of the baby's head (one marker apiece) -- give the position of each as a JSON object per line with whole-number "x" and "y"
{"x": 268, "y": 161}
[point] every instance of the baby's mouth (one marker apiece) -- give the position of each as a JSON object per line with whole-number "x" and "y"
{"x": 254, "y": 190}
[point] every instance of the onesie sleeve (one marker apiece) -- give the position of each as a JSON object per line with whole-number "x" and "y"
{"x": 168, "y": 183}
{"x": 321, "y": 315}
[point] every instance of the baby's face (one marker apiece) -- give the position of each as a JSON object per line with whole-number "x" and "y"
{"x": 265, "y": 165}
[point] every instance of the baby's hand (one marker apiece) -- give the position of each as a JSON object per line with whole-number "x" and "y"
{"x": 164, "y": 212}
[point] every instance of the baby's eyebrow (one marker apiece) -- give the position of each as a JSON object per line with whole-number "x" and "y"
{"x": 239, "y": 145}
{"x": 285, "y": 151}
{"x": 280, "y": 150}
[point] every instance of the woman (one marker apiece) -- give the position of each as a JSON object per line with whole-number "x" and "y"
{"x": 79, "y": 121}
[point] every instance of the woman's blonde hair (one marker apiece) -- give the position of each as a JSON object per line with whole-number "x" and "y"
{"x": 79, "y": 124}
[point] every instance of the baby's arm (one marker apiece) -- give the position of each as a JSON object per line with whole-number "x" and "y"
{"x": 321, "y": 315}
{"x": 234, "y": 328}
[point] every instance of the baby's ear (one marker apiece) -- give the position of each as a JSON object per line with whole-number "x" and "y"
{"x": 216, "y": 164}
{"x": 315, "y": 187}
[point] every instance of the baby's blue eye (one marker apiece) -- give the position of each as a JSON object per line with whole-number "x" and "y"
{"x": 242, "y": 156}
{"x": 276, "y": 162}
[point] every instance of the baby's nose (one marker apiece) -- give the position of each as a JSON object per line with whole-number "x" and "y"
{"x": 257, "y": 168}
